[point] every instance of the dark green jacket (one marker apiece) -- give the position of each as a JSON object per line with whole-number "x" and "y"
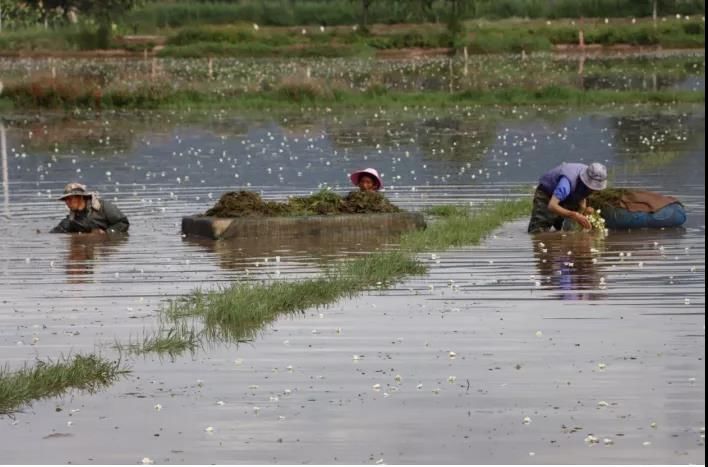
{"x": 108, "y": 218}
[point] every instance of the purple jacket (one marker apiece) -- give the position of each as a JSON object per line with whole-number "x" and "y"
{"x": 572, "y": 172}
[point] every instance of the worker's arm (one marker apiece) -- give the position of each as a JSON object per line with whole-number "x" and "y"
{"x": 69, "y": 225}
{"x": 117, "y": 221}
{"x": 555, "y": 207}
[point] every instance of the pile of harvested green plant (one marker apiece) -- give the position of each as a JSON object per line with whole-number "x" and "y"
{"x": 608, "y": 198}
{"x": 326, "y": 202}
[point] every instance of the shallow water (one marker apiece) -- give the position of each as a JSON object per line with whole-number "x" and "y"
{"x": 645, "y": 321}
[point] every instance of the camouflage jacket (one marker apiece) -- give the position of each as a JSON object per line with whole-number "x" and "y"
{"x": 107, "y": 217}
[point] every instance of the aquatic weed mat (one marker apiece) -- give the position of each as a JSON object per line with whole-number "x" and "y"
{"x": 326, "y": 202}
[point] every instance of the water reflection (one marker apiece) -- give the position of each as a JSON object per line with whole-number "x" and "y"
{"x": 296, "y": 254}
{"x": 84, "y": 251}
{"x": 568, "y": 263}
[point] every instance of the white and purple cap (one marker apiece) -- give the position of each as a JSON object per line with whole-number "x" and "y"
{"x": 356, "y": 176}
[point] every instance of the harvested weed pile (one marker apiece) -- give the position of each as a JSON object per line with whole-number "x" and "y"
{"x": 358, "y": 202}
{"x": 244, "y": 204}
{"x": 608, "y": 198}
{"x": 249, "y": 204}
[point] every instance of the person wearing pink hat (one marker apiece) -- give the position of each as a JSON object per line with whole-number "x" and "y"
{"x": 368, "y": 180}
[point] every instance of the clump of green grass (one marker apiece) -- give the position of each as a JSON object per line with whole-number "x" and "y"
{"x": 173, "y": 341}
{"x": 447, "y": 210}
{"x": 49, "y": 379}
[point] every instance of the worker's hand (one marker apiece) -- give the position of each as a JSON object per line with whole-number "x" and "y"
{"x": 589, "y": 210}
{"x": 98, "y": 231}
{"x": 582, "y": 220}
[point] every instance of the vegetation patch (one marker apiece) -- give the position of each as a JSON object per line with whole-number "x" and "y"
{"x": 459, "y": 226}
{"x": 608, "y": 198}
{"x": 48, "y": 92}
{"x": 49, "y": 379}
{"x": 172, "y": 341}
{"x": 326, "y": 202}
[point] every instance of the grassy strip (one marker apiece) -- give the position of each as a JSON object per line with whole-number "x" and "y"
{"x": 171, "y": 341}
{"x": 48, "y": 379}
{"x": 296, "y": 95}
{"x": 238, "y": 312}
{"x": 459, "y": 227}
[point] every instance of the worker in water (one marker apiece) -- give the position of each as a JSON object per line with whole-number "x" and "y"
{"x": 89, "y": 214}
{"x": 562, "y": 193}
{"x": 368, "y": 180}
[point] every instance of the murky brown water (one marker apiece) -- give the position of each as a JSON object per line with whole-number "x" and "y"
{"x": 545, "y": 335}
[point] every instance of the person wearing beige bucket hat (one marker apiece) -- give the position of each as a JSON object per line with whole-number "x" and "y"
{"x": 562, "y": 193}
{"x": 89, "y": 214}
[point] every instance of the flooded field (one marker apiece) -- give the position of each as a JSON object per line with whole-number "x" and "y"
{"x": 526, "y": 349}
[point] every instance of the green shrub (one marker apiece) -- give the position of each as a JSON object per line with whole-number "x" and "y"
{"x": 694, "y": 28}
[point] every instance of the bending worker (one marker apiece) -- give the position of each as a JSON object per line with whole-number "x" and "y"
{"x": 562, "y": 193}
{"x": 89, "y": 214}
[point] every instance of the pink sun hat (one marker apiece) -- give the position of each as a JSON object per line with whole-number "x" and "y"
{"x": 356, "y": 176}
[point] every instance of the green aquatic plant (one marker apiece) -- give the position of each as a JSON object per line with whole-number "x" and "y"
{"x": 49, "y": 379}
{"x": 173, "y": 341}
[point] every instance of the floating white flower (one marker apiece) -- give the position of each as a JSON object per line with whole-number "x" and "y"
{"x": 147, "y": 461}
